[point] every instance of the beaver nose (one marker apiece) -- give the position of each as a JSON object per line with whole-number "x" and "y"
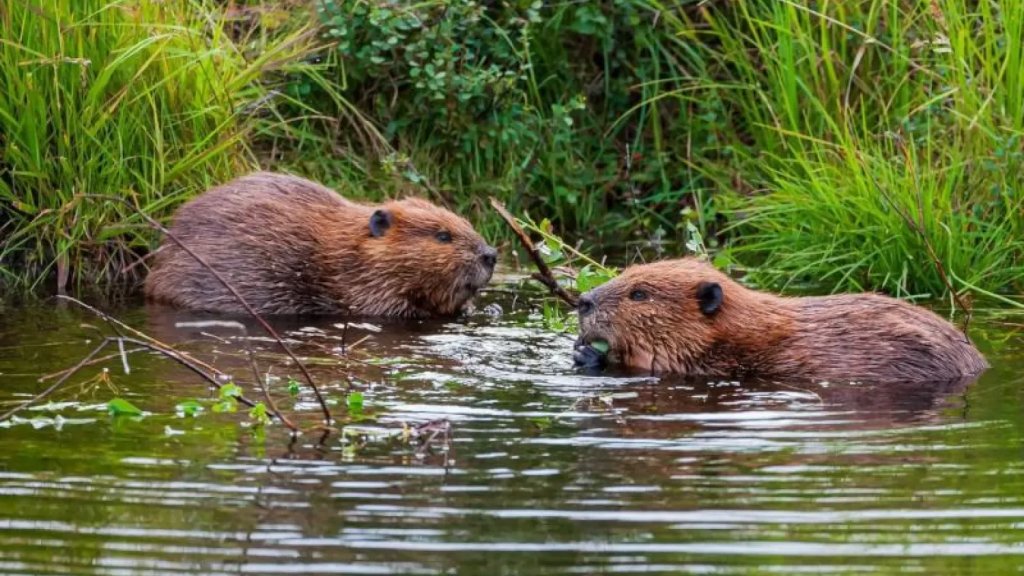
{"x": 490, "y": 257}
{"x": 586, "y": 305}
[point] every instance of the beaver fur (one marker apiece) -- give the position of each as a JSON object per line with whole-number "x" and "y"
{"x": 684, "y": 316}
{"x": 292, "y": 246}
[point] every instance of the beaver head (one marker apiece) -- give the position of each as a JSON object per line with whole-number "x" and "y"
{"x": 423, "y": 259}
{"x": 664, "y": 316}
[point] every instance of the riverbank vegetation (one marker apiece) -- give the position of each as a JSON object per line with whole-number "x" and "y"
{"x": 873, "y": 144}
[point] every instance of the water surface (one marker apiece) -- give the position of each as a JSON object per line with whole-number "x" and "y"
{"x": 549, "y": 472}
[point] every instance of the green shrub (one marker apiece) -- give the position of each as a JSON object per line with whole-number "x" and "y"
{"x": 541, "y": 104}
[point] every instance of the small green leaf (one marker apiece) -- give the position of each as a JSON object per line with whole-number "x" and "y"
{"x": 227, "y": 405}
{"x": 354, "y": 401}
{"x": 189, "y": 408}
{"x": 122, "y": 407}
{"x": 589, "y": 278}
{"x": 230, "y": 390}
{"x": 293, "y": 386}
{"x": 542, "y": 422}
{"x": 258, "y": 413}
{"x": 600, "y": 345}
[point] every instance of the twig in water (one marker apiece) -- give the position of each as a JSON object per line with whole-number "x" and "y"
{"x": 117, "y": 326}
{"x": 428, "y": 431}
{"x": 204, "y": 370}
{"x": 543, "y": 273}
{"x": 57, "y": 384}
{"x": 60, "y": 373}
{"x": 124, "y": 357}
{"x": 261, "y": 382}
{"x": 179, "y": 357}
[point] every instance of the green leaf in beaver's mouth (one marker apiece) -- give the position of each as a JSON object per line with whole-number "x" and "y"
{"x": 600, "y": 345}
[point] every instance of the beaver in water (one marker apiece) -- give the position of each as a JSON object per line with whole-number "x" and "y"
{"x": 684, "y": 316}
{"x": 291, "y": 246}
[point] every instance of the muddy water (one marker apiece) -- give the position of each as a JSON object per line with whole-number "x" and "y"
{"x": 548, "y": 472}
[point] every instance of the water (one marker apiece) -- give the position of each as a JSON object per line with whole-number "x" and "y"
{"x": 550, "y": 472}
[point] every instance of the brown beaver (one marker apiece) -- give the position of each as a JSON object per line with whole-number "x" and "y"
{"x": 684, "y": 316}
{"x": 292, "y": 246}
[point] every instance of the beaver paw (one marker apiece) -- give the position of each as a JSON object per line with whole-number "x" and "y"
{"x": 589, "y": 357}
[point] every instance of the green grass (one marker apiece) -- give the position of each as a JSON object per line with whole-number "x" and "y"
{"x": 147, "y": 100}
{"x": 877, "y": 133}
{"x": 867, "y": 215}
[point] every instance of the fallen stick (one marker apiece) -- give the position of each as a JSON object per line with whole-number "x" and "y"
{"x": 259, "y": 380}
{"x": 56, "y": 384}
{"x": 543, "y": 273}
{"x": 99, "y": 360}
{"x": 210, "y": 374}
{"x": 89, "y": 359}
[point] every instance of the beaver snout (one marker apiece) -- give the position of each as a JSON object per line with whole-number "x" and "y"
{"x": 479, "y": 271}
{"x": 590, "y": 355}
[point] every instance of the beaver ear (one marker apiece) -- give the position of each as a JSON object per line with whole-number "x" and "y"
{"x": 709, "y": 297}
{"x": 379, "y": 223}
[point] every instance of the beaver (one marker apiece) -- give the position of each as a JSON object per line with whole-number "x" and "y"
{"x": 685, "y": 317}
{"x": 291, "y": 246}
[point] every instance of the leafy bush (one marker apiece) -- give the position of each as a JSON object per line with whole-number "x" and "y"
{"x": 541, "y": 104}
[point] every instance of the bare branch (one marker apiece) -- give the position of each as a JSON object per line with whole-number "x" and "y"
{"x": 252, "y": 363}
{"x": 543, "y": 274}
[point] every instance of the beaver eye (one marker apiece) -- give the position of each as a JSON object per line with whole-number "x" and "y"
{"x": 443, "y": 236}
{"x": 638, "y": 295}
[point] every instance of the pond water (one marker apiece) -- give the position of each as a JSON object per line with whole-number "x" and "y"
{"x": 548, "y": 472}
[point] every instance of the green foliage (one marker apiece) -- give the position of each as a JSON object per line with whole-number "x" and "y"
{"x": 833, "y": 143}
{"x": 880, "y": 132}
{"x": 191, "y": 408}
{"x": 456, "y": 66}
{"x": 502, "y": 98}
{"x": 227, "y": 398}
{"x": 557, "y": 252}
{"x": 259, "y": 414}
{"x": 354, "y": 402}
{"x": 558, "y": 320}
{"x": 600, "y": 345}
{"x": 122, "y": 407}
{"x": 141, "y": 100}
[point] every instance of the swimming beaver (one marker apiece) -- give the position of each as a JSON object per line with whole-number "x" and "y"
{"x": 684, "y": 316}
{"x": 292, "y": 246}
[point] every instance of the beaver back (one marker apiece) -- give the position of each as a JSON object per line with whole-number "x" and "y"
{"x": 291, "y": 246}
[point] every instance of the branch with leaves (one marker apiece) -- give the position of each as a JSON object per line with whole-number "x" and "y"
{"x": 543, "y": 273}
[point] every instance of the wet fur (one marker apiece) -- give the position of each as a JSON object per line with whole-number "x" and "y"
{"x": 292, "y": 246}
{"x": 850, "y": 337}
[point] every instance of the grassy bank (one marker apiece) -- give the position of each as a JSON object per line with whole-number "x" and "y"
{"x": 888, "y": 137}
{"x": 870, "y": 144}
{"x": 150, "y": 101}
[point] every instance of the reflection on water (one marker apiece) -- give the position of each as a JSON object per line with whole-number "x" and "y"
{"x": 551, "y": 472}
